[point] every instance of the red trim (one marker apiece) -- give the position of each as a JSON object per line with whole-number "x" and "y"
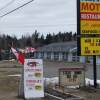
{"x": 91, "y": 13}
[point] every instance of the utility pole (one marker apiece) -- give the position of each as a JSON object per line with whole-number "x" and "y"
{"x": 95, "y": 71}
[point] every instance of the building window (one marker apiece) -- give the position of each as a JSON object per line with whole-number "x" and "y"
{"x": 67, "y": 73}
{"x": 48, "y": 55}
{"x": 74, "y": 54}
{"x": 75, "y": 57}
{"x": 77, "y": 72}
{"x": 56, "y": 56}
{"x": 42, "y": 54}
{"x": 74, "y": 76}
{"x": 65, "y": 56}
{"x": 36, "y": 55}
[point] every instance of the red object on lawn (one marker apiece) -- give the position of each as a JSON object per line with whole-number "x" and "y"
{"x": 20, "y": 56}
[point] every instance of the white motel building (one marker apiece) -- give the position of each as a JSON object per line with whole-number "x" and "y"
{"x": 66, "y": 51}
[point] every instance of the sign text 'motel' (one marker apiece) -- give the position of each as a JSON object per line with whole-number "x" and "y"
{"x": 90, "y": 6}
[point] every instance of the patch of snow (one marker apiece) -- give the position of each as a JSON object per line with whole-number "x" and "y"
{"x": 15, "y": 75}
{"x": 55, "y": 80}
{"x": 90, "y": 81}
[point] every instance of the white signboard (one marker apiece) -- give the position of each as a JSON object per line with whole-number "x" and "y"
{"x": 33, "y": 78}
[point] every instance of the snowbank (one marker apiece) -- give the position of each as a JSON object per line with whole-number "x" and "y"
{"x": 55, "y": 80}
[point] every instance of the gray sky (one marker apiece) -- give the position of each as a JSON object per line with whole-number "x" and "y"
{"x": 42, "y": 15}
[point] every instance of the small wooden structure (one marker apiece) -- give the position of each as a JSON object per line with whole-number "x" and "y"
{"x": 71, "y": 77}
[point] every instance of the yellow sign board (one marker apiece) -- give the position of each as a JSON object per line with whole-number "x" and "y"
{"x": 90, "y": 46}
{"x": 90, "y": 6}
{"x": 90, "y": 18}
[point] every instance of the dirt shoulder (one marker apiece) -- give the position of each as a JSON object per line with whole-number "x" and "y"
{"x": 9, "y": 85}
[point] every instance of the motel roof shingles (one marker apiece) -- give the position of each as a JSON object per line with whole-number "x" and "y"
{"x": 58, "y": 47}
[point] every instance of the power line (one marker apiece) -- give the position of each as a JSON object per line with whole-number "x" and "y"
{"x": 9, "y": 3}
{"x": 17, "y": 8}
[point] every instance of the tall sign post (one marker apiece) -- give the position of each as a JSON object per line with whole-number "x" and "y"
{"x": 88, "y": 31}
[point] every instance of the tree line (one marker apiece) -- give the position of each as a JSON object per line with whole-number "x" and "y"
{"x": 35, "y": 40}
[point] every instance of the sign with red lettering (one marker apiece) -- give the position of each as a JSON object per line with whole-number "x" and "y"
{"x": 33, "y": 78}
{"x": 88, "y": 28}
{"x": 89, "y": 18}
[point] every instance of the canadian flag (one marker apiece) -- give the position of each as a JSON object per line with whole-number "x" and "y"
{"x": 30, "y": 50}
{"x": 20, "y": 57}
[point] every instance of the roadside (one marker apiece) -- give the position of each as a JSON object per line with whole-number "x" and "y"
{"x": 9, "y": 84}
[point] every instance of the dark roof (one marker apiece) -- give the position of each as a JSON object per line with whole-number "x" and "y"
{"x": 61, "y": 47}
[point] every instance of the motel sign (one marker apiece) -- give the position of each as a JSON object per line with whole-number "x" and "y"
{"x": 89, "y": 40}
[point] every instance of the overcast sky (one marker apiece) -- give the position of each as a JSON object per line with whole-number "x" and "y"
{"x": 42, "y": 15}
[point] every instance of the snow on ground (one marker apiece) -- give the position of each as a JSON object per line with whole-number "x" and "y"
{"x": 90, "y": 81}
{"x": 17, "y": 75}
{"x": 55, "y": 80}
